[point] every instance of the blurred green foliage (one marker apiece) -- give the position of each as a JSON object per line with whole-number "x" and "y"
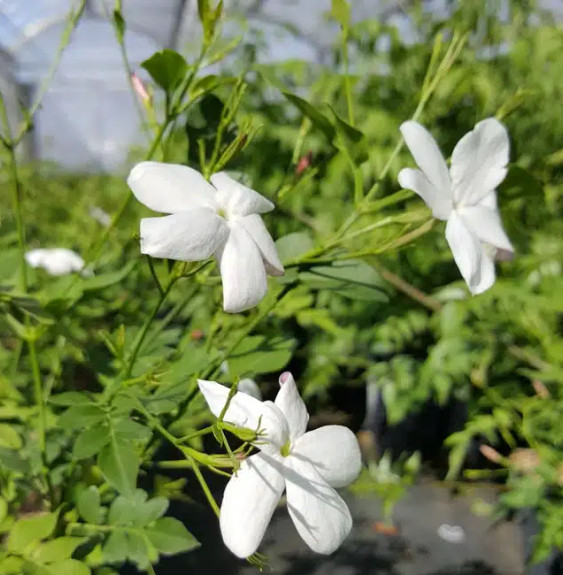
{"x": 396, "y": 313}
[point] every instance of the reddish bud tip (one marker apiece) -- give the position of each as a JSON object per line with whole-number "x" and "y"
{"x": 304, "y": 163}
{"x": 140, "y": 88}
{"x": 284, "y": 377}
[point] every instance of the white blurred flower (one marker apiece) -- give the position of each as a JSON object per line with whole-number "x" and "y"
{"x": 56, "y": 261}
{"x": 250, "y": 387}
{"x": 220, "y": 218}
{"x": 465, "y": 195}
{"x": 451, "y": 533}
{"x": 101, "y": 216}
{"x": 307, "y": 465}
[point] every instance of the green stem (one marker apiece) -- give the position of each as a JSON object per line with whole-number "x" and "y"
{"x": 145, "y": 329}
{"x": 410, "y": 290}
{"x": 17, "y": 202}
{"x": 17, "y": 193}
{"x": 347, "y": 84}
{"x": 205, "y": 488}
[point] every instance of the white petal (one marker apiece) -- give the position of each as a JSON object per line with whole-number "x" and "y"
{"x": 466, "y": 249}
{"x": 292, "y": 406}
{"x": 486, "y": 224}
{"x": 489, "y": 201}
{"x": 439, "y": 202}
{"x": 487, "y": 273}
{"x": 249, "y": 502}
{"x": 242, "y": 271}
{"x": 334, "y": 451}
{"x": 479, "y": 162}
{"x": 320, "y": 515}
{"x": 186, "y": 236}
{"x": 56, "y": 261}
{"x": 428, "y": 158}
{"x": 246, "y": 411}
{"x": 170, "y": 188}
{"x": 238, "y": 200}
{"x": 35, "y": 257}
{"x": 250, "y": 387}
{"x": 254, "y": 225}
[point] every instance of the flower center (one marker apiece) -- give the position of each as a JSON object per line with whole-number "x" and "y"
{"x": 221, "y": 212}
{"x": 285, "y": 449}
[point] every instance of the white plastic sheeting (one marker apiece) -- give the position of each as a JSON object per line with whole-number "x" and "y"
{"x": 88, "y": 119}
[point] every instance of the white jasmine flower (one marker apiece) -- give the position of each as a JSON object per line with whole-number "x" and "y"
{"x": 56, "y": 261}
{"x": 220, "y": 218}
{"x": 250, "y": 387}
{"x": 465, "y": 195}
{"x": 307, "y": 465}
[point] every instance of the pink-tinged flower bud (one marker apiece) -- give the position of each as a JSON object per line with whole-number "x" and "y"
{"x": 196, "y": 335}
{"x": 304, "y": 163}
{"x": 140, "y": 88}
{"x": 490, "y": 453}
{"x": 540, "y": 389}
{"x": 285, "y": 377}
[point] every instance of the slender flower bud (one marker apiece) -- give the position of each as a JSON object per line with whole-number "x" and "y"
{"x": 304, "y": 163}
{"x": 141, "y": 89}
{"x": 540, "y": 389}
{"x": 490, "y": 453}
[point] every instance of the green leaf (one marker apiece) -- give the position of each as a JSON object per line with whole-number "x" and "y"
{"x": 208, "y": 84}
{"x": 340, "y": 11}
{"x": 120, "y": 465}
{"x": 138, "y": 549}
{"x": 350, "y": 140}
{"x": 14, "y": 461}
{"x": 169, "y": 536}
{"x": 256, "y": 355}
{"x": 152, "y": 510}
{"x": 31, "y": 529}
{"x": 291, "y": 246}
{"x": 130, "y": 430}
{"x": 136, "y": 510}
{"x": 90, "y": 441}
{"x": 69, "y": 567}
{"x": 353, "y": 279}
{"x": 318, "y": 119}
{"x": 115, "y": 548}
{"x": 71, "y": 398}
{"x": 56, "y": 550}
{"x": 88, "y": 505}
{"x": 167, "y": 68}
{"x": 221, "y": 49}
{"x": 9, "y": 437}
{"x": 106, "y": 280}
{"x": 119, "y": 25}
{"x": 81, "y": 416}
{"x": 209, "y": 18}
{"x": 3, "y": 509}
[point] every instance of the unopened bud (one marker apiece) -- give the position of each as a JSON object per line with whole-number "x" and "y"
{"x": 140, "y": 88}
{"x": 490, "y": 453}
{"x": 304, "y": 163}
{"x": 540, "y": 389}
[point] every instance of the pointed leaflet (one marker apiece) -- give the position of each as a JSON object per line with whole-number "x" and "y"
{"x": 318, "y": 119}
{"x": 167, "y": 68}
{"x": 120, "y": 465}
